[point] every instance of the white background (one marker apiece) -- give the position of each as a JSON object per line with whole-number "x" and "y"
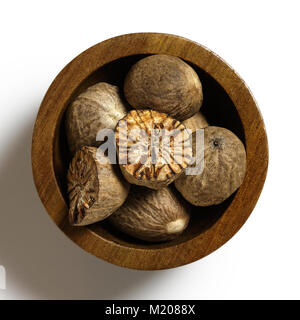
{"x": 260, "y": 39}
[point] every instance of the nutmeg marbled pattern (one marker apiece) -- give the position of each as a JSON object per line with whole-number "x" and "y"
{"x": 166, "y": 84}
{"x": 95, "y": 190}
{"x": 99, "y": 107}
{"x": 152, "y": 215}
{"x": 197, "y": 121}
{"x": 224, "y": 169}
{"x": 136, "y": 156}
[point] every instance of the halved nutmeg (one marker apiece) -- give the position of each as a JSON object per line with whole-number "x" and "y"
{"x": 153, "y": 148}
{"x": 95, "y": 189}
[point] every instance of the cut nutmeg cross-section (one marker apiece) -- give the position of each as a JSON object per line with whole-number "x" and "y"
{"x": 153, "y": 148}
{"x": 95, "y": 190}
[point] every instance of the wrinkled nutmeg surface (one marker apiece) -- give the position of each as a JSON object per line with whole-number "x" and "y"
{"x": 197, "y": 121}
{"x": 95, "y": 190}
{"x": 166, "y": 84}
{"x": 99, "y": 107}
{"x": 224, "y": 169}
{"x": 152, "y": 215}
{"x": 153, "y": 148}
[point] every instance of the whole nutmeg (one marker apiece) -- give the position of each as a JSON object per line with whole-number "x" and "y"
{"x": 166, "y": 84}
{"x": 153, "y": 148}
{"x": 95, "y": 190}
{"x": 223, "y": 171}
{"x": 152, "y": 215}
{"x": 197, "y": 121}
{"x": 98, "y": 107}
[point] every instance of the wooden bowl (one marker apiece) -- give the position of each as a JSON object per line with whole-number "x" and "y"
{"x": 227, "y": 103}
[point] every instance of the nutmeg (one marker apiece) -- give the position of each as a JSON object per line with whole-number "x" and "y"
{"x": 95, "y": 189}
{"x": 99, "y": 107}
{"x": 153, "y": 148}
{"x": 223, "y": 171}
{"x": 166, "y": 84}
{"x": 197, "y": 121}
{"x": 152, "y": 215}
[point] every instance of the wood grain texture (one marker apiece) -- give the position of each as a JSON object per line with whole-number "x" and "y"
{"x": 227, "y": 102}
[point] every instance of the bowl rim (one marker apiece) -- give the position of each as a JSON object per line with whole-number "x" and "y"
{"x": 51, "y": 111}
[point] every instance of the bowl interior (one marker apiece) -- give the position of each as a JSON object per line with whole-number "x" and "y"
{"x": 219, "y": 111}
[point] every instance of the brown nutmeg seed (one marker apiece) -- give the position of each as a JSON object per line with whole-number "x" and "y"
{"x": 153, "y": 148}
{"x": 95, "y": 190}
{"x": 197, "y": 121}
{"x": 152, "y": 215}
{"x": 224, "y": 169}
{"x": 166, "y": 84}
{"x": 98, "y": 107}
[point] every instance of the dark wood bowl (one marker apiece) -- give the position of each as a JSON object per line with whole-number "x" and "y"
{"x": 227, "y": 103}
